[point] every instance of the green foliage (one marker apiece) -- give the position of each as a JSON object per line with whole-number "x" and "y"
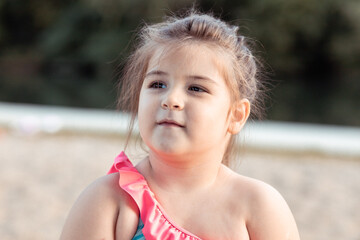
{"x": 65, "y": 52}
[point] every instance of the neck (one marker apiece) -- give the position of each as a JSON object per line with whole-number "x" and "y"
{"x": 183, "y": 174}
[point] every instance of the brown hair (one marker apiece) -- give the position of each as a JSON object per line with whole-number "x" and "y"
{"x": 242, "y": 75}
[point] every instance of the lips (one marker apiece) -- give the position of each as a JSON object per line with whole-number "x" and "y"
{"x": 170, "y": 123}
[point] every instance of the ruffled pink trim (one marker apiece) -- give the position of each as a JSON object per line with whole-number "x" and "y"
{"x": 156, "y": 224}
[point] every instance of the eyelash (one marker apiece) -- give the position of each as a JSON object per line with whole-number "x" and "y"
{"x": 156, "y": 85}
{"x": 200, "y": 89}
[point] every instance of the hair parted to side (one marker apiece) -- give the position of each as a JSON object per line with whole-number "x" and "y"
{"x": 242, "y": 76}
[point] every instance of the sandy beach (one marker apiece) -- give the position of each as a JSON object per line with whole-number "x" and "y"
{"x": 42, "y": 175}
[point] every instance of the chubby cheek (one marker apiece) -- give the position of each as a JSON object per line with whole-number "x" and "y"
{"x": 143, "y": 113}
{"x": 211, "y": 121}
{"x": 144, "y": 102}
{"x": 147, "y": 110}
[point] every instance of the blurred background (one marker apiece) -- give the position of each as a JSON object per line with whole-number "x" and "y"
{"x": 66, "y": 52}
{"x": 63, "y": 58}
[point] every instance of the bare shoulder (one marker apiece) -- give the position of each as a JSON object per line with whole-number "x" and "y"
{"x": 100, "y": 212}
{"x": 267, "y": 215}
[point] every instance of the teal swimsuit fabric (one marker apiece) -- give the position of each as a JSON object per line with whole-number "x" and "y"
{"x": 139, "y": 235}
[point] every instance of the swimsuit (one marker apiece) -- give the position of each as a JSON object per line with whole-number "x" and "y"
{"x": 153, "y": 222}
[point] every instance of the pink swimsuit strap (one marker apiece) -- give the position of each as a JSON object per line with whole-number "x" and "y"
{"x": 156, "y": 224}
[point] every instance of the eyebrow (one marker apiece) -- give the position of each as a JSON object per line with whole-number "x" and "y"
{"x": 156, "y": 72}
{"x": 203, "y": 78}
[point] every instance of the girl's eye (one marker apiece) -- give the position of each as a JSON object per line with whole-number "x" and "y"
{"x": 196, "y": 89}
{"x": 157, "y": 85}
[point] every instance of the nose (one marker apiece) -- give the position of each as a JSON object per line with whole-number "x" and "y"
{"x": 173, "y": 100}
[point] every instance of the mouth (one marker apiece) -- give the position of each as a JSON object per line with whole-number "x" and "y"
{"x": 170, "y": 123}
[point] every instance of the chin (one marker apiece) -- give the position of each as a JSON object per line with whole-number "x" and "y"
{"x": 168, "y": 149}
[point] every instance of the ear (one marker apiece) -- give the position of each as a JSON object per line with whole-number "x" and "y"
{"x": 239, "y": 115}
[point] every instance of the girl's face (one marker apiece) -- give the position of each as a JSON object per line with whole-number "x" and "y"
{"x": 184, "y": 102}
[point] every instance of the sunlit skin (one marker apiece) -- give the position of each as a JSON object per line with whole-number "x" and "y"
{"x": 186, "y": 117}
{"x": 181, "y": 94}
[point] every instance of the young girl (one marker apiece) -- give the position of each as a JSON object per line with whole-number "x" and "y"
{"x": 191, "y": 83}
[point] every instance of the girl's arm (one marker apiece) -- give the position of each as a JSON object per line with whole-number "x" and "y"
{"x": 100, "y": 211}
{"x": 270, "y": 216}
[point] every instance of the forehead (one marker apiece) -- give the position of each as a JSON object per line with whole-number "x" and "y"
{"x": 190, "y": 57}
